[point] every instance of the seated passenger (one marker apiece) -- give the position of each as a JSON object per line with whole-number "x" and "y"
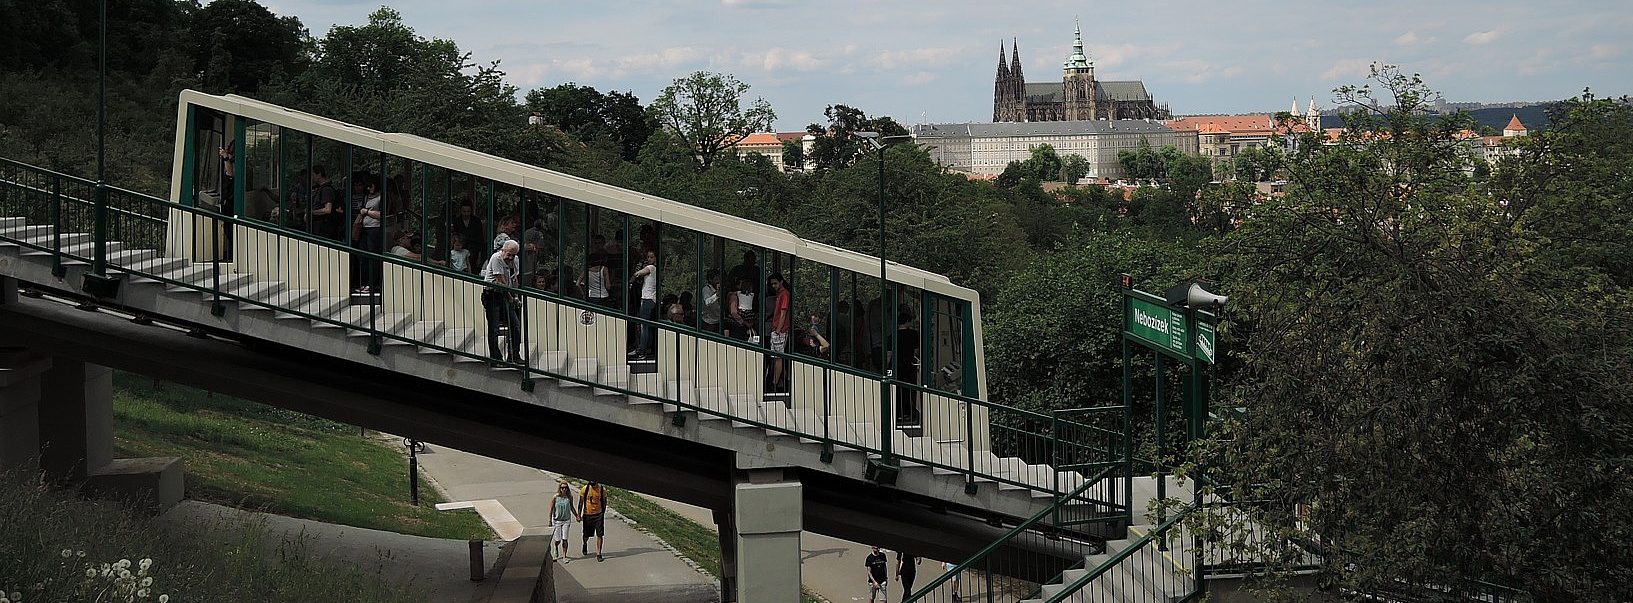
{"x": 459, "y": 258}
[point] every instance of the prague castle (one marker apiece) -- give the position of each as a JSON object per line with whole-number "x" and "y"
{"x": 1077, "y": 97}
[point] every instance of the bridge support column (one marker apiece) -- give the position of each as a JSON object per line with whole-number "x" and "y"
{"x": 76, "y": 419}
{"x": 767, "y": 515}
{"x": 20, "y": 373}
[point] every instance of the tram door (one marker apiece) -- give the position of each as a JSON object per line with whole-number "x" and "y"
{"x": 945, "y": 367}
{"x": 213, "y": 188}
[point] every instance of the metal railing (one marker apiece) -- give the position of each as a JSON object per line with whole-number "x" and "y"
{"x": 297, "y": 275}
{"x": 1038, "y": 551}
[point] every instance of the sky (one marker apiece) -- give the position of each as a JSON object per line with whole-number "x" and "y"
{"x": 933, "y": 61}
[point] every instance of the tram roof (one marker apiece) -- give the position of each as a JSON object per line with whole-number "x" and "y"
{"x": 535, "y": 178}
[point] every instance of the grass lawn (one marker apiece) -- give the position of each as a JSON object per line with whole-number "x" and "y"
{"x": 265, "y": 458}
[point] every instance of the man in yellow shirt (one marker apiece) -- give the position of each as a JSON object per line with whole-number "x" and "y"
{"x": 592, "y": 506}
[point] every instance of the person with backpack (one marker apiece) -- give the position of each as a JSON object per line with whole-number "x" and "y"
{"x": 592, "y": 507}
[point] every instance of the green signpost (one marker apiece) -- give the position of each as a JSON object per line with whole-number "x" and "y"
{"x": 1155, "y": 324}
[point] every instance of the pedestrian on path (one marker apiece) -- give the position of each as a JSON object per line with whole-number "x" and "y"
{"x": 592, "y": 506}
{"x": 907, "y": 568}
{"x": 878, "y": 576}
{"x": 562, "y": 514}
{"x": 948, "y": 566}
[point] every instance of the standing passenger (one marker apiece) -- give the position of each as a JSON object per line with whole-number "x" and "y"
{"x": 710, "y": 312}
{"x": 325, "y": 211}
{"x": 373, "y": 238}
{"x": 648, "y": 277}
{"x": 497, "y": 304}
{"x": 781, "y": 321}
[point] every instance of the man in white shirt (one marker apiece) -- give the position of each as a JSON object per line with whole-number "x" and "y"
{"x": 710, "y": 312}
{"x": 500, "y": 269}
{"x": 648, "y": 277}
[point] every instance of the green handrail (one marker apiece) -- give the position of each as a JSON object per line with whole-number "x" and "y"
{"x": 1018, "y": 530}
{"x": 1105, "y": 566}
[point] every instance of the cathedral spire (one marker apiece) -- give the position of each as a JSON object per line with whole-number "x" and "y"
{"x": 1078, "y": 60}
{"x": 1015, "y": 61}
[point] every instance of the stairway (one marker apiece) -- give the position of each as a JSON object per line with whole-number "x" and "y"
{"x": 180, "y": 290}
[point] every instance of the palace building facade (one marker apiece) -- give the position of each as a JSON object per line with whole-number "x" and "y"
{"x": 1077, "y": 97}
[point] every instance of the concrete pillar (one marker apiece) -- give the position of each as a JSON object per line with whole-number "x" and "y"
{"x": 8, "y": 290}
{"x": 76, "y": 419}
{"x": 767, "y": 510}
{"x": 726, "y": 532}
{"x": 20, "y": 374}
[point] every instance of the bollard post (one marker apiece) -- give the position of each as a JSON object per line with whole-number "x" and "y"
{"x": 479, "y": 569}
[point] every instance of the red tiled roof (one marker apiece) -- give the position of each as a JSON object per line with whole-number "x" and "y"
{"x": 758, "y": 139}
{"x": 1261, "y": 124}
{"x": 1514, "y": 123}
{"x": 794, "y": 136}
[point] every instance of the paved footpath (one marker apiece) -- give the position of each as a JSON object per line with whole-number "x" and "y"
{"x": 637, "y": 568}
{"x": 830, "y": 567}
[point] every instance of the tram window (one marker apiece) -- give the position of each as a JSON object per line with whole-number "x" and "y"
{"x": 583, "y": 257}
{"x": 715, "y": 291}
{"x": 209, "y": 142}
{"x": 295, "y": 180}
{"x": 261, "y": 167}
{"x": 679, "y": 272}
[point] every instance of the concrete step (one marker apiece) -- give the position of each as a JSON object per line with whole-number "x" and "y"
{"x": 743, "y": 406}
{"x": 317, "y": 306}
{"x": 453, "y": 339}
{"x": 553, "y": 362}
{"x": 416, "y": 332}
{"x": 84, "y": 249}
{"x": 47, "y": 238}
{"x": 127, "y": 256}
{"x": 259, "y": 291}
{"x": 584, "y": 369}
{"x": 228, "y": 283}
{"x": 647, "y": 383}
{"x": 285, "y": 298}
{"x": 24, "y": 233}
{"x": 153, "y": 266}
{"x": 614, "y": 375}
{"x": 185, "y": 274}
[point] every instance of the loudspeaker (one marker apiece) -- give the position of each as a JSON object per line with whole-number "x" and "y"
{"x": 1190, "y": 293}
{"x": 1197, "y": 297}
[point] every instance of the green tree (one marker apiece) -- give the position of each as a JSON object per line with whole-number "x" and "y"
{"x": 1044, "y": 164}
{"x": 837, "y": 144}
{"x": 708, "y": 112}
{"x": 587, "y": 114}
{"x": 1437, "y": 383}
{"x": 238, "y": 45}
{"x": 1077, "y": 168}
{"x": 793, "y": 155}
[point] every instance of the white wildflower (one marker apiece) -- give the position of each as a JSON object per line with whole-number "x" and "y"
{"x": 164, "y": 598}
{"x": 141, "y": 593}
{"x": 146, "y": 563}
{"x": 146, "y": 582}
{"x": 4, "y": 600}
{"x": 124, "y": 574}
{"x": 81, "y": 554}
{"x": 90, "y": 572}
{"x": 66, "y": 553}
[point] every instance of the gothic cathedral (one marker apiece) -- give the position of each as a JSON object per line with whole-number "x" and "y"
{"x": 1077, "y": 97}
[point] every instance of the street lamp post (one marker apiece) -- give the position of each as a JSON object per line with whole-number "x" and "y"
{"x": 887, "y": 419}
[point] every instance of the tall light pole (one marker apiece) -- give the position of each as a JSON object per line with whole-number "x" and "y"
{"x": 887, "y": 418}
{"x": 97, "y": 283}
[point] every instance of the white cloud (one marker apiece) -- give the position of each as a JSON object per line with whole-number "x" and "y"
{"x": 1347, "y": 69}
{"x": 776, "y": 59}
{"x": 1481, "y": 38}
{"x": 914, "y": 57}
{"x": 1600, "y": 52}
{"x": 919, "y": 78}
{"x": 1412, "y": 38}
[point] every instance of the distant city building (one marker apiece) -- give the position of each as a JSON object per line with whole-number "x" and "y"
{"x": 983, "y": 150}
{"x": 768, "y": 144}
{"x": 1222, "y": 137}
{"x": 1494, "y": 148}
{"x": 1077, "y": 97}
